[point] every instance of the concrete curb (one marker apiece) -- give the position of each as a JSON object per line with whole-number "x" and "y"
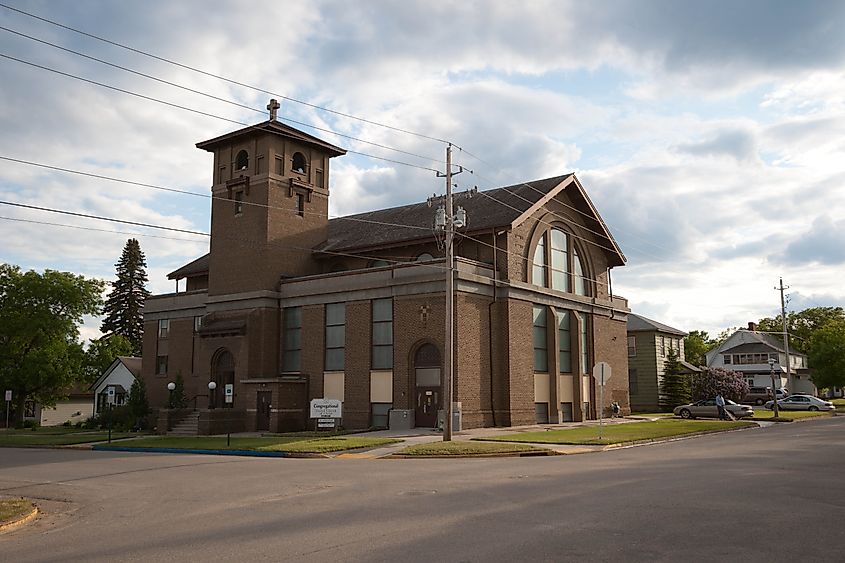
{"x": 20, "y": 521}
{"x": 545, "y": 453}
{"x": 243, "y": 453}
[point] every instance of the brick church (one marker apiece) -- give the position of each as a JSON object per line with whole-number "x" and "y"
{"x": 289, "y": 305}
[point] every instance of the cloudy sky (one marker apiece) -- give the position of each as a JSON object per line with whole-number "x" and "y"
{"x": 710, "y": 135}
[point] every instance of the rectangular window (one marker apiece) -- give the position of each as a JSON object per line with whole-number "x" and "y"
{"x": 382, "y": 334}
{"x": 585, "y": 344}
{"x": 239, "y": 202}
{"x": 318, "y": 179}
{"x": 292, "y": 350}
{"x": 538, "y": 272}
{"x": 726, "y": 359}
{"x": 197, "y": 323}
{"x": 541, "y": 341}
{"x": 632, "y": 346}
{"x": 564, "y": 333}
{"x": 566, "y": 412}
{"x": 541, "y": 413}
{"x": 560, "y": 260}
{"x": 380, "y": 414}
{"x": 280, "y": 169}
{"x": 335, "y": 336}
{"x": 661, "y": 346}
{"x": 300, "y": 205}
{"x": 163, "y": 328}
{"x": 633, "y": 384}
{"x": 161, "y": 365}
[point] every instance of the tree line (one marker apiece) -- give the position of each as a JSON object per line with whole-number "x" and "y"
{"x": 41, "y": 355}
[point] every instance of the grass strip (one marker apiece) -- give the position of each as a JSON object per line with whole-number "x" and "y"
{"x": 466, "y": 448}
{"x": 13, "y": 508}
{"x": 765, "y": 414}
{"x": 269, "y": 444}
{"x": 20, "y": 439}
{"x": 620, "y": 433}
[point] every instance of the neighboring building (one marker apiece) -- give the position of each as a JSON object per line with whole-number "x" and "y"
{"x": 748, "y": 351}
{"x": 649, "y": 343}
{"x": 75, "y": 408}
{"x": 120, "y": 375}
{"x": 289, "y": 305}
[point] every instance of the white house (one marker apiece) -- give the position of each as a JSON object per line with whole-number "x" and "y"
{"x": 748, "y": 352}
{"x": 121, "y": 374}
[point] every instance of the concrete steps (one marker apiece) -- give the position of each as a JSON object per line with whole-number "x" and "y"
{"x": 188, "y": 426}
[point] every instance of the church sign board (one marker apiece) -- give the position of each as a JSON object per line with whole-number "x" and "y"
{"x": 326, "y": 412}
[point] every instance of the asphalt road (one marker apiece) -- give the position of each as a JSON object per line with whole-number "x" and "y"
{"x": 774, "y": 494}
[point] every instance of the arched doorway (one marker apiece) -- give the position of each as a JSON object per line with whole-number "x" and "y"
{"x": 427, "y": 377}
{"x": 223, "y": 374}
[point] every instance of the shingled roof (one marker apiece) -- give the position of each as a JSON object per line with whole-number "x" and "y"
{"x": 639, "y": 323}
{"x": 485, "y": 210}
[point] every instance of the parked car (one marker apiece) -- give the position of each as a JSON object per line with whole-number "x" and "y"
{"x": 758, "y": 395}
{"x": 802, "y": 403}
{"x": 706, "y": 408}
{"x": 782, "y": 393}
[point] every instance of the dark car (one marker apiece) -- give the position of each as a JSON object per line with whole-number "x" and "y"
{"x": 758, "y": 395}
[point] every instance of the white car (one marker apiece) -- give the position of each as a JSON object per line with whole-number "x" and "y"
{"x": 802, "y": 403}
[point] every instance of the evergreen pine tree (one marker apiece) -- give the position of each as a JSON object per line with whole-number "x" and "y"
{"x": 124, "y": 306}
{"x": 138, "y": 403}
{"x": 675, "y": 387}
{"x": 178, "y": 399}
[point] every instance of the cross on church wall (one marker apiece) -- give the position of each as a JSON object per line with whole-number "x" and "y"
{"x": 424, "y": 309}
{"x": 273, "y": 106}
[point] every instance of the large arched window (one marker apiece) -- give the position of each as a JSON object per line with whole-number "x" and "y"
{"x": 223, "y": 374}
{"x": 557, "y": 263}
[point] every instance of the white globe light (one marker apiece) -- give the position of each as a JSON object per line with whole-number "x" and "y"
{"x": 171, "y": 386}
{"x": 212, "y": 385}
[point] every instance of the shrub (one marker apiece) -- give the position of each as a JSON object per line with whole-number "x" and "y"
{"x": 711, "y": 381}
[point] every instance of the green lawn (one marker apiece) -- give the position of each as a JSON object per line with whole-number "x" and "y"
{"x": 293, "y": 444}
{"x": 58, "y": 436}
{"x": 466, "y": 448}
{"x": 840, "y": 403}
{"x": 12, "y": 508}
{"x": 764, "y": 414}
{"x": 621, "y": 433}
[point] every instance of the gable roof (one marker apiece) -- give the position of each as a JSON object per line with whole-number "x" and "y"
{"x": 131, "y": 363}
{"x": 638, "y": 323}
{"x": 407, "y": 224}
{"x": 275, "y": 128}
{"x": 761, "y": 337}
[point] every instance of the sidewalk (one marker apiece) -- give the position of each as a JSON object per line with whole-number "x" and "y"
{"x": 417, "y": 436}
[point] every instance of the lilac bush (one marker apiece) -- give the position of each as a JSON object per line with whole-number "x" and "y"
{"x": 705, "y": 385}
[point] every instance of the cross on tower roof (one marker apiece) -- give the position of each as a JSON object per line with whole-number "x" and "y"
{"x": 273, "y": 106}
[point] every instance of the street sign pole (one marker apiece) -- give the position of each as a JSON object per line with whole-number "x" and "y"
{"x": 601, "y": 373}
{"x": 8, "y": 405}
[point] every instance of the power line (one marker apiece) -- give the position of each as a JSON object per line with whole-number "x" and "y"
{"x": 217, "y": 98}
{"x": 246, "y": 203}
{"x": 192, "y": 110}
{"x": 292, "y": 211}
{"x": 218, "y": 77}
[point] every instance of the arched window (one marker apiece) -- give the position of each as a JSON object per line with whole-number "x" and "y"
{"x": 299, "y": 163}
{"x": 557, "y": 264}
{"x": 424, "y": 257}
{"x": 242, "y": 161}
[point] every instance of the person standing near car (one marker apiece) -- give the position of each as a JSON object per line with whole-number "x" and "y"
{"x": 720, "y": 404}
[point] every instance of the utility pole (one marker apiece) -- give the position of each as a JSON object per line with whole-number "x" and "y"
{"x": 785, "y": 333}
{"x": 447, "y": 220}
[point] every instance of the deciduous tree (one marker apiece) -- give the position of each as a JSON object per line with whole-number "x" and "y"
{"x": 696, "y": 344}
{"x": 40, "y": 352}
{"x": 101, "y": 353}
{"x": 125, "y": 304}
{"x": 827, "y": 355}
